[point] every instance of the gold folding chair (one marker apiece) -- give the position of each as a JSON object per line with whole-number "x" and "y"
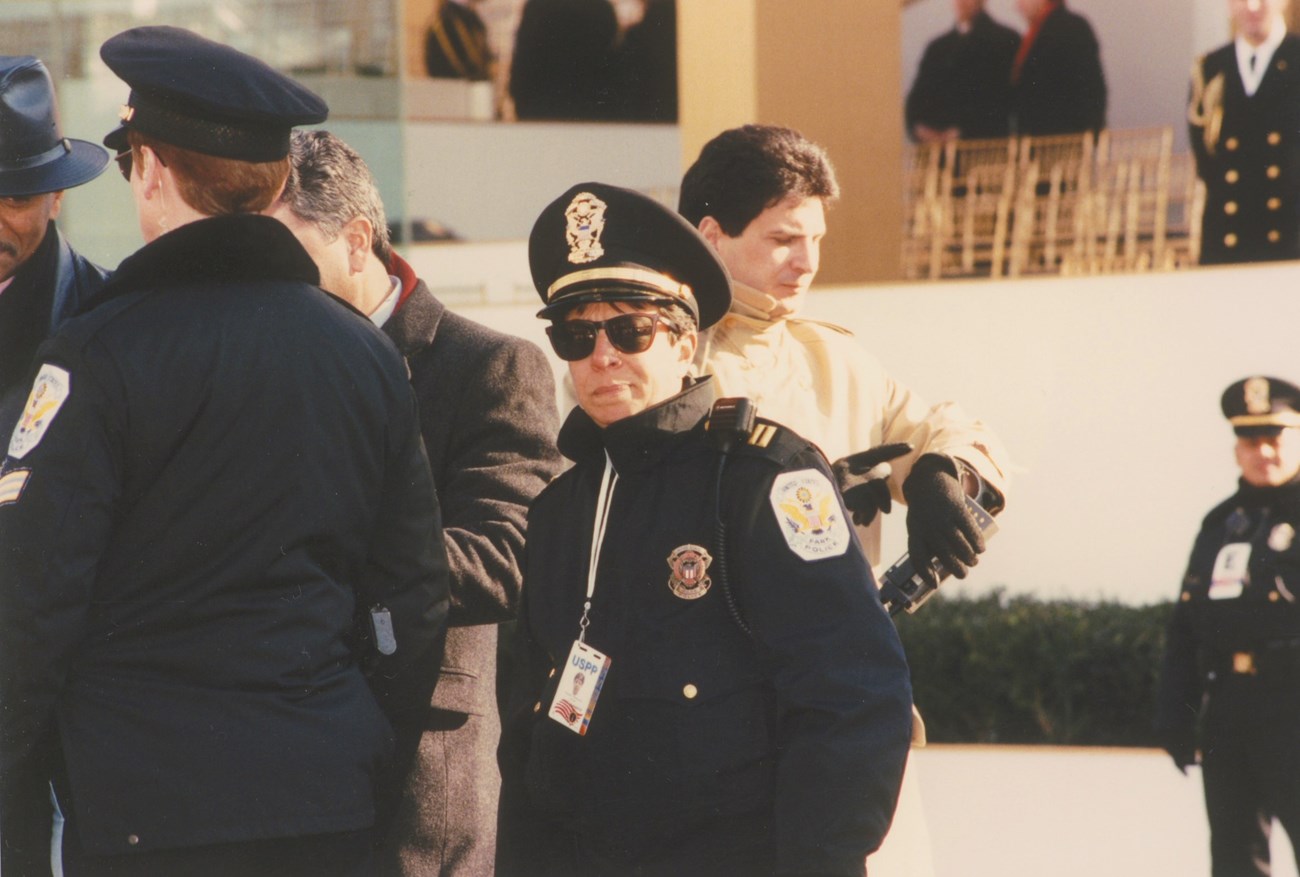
{"x": 1051, "y": 222}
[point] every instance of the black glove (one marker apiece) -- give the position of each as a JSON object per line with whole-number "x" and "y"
{"x": 1180, "y": 743}
{"x": 939, "y": 526}
{"x": 861, "y": 480}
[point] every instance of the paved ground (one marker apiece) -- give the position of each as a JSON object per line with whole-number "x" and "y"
{"x": 1010, "y": 811}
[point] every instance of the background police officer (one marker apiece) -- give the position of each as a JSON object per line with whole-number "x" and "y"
{"x": 1233, "y": 654}
{"x": 743, "y": 706}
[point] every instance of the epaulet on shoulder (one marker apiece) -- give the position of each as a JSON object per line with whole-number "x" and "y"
{"x": 771, "y": 440}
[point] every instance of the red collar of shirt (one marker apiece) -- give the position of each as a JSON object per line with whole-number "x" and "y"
{"x": 405, "y": 274}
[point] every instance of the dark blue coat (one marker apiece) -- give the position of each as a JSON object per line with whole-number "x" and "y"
{"x": 709, "y": 747}
{"x": 1061, "y": 88}
{"x": 188, "y": 544}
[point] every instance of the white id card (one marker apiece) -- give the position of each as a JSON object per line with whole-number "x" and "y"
{"x": 580, "y": 684}
{"x": 1231, "y": 569}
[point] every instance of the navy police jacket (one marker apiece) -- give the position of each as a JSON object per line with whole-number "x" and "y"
{"x": 780, "y": 696}
{"x": 218, "y": 472}
{"x": 1238, "y": 614}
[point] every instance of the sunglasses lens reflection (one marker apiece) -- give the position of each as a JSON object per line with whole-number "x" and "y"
{"x": 628, "y": 333}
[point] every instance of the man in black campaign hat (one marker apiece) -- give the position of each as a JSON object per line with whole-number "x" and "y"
{"x": 42, "y": 279}
{"x": 1232, "y": 656}
{"x": 706, "y": 682}
{"x": 223, "y": 592}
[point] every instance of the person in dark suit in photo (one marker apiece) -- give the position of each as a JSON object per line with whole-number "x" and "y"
{"x": 963, "y": 87}
{"x": 562, "y": 67}
{"x": 223, "y": 591}
{"x": 1057, "y": 81}
{"x": 487, "y": 413}
{"x": 43, "y": 280}
{"x": 1244, "y": 128}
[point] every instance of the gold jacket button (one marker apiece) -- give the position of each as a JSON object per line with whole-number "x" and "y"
{"x": 133, "y": 839}
{"x": 1229, "y": 240}
{"x": 690, "y": 691}
{"x": 1274, "y": 138}
{"x": 1231, "y": 143}
{"x": 1230, "y": 208}
{"x": 1232, "y": 176}
{"x": 1274, "y": 236}
{"x": 1274, "y": 203}
{"x": 1186, "y": 597}
{"x": 537, "y": 707}
{"x": 1273, "y": 596}
{"x": 1273, "y": 172}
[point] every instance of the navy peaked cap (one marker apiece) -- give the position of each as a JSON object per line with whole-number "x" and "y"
{"x": 1261, "y": 405}
{"x": 204, "y": 96}
{"x": 598, "y": 242}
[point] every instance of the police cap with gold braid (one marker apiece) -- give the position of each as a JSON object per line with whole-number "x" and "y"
{"x": 1261, "y": 406}
{"x": 204, "y": 96}
{"x": 598, "y": 242}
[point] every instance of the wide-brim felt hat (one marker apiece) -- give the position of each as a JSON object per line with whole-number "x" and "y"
{"x": 205, "y": 96}
{"x": 1261, "y": 406}
{"x": 598, "y": 242}
{"x": 35, "y": 157}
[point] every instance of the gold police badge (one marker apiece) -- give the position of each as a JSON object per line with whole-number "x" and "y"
{"x": 689, "y": 564}
{"x": 1256, "y": 396}
{"x": 584, "y": 223}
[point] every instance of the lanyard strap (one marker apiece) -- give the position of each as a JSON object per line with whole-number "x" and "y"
{"x": 604, "y": 500}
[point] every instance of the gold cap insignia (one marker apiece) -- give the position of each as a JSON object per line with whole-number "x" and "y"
{"x": 584, "y": 224}
{"x": 1256, "y": 396}
{"x": 689, "y": 564}
{"x": 126, "y": 113}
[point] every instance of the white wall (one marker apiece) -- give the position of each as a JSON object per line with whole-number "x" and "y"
{"x": 1147, "y": 49}
{"x": 1105, "y": 389}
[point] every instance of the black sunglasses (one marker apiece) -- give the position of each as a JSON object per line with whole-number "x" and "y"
{"x": 629, "y": 333}
{"x": 123, "y": 160}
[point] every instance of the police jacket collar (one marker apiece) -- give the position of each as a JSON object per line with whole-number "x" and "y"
{"x": 218, "y": 249}
{"x": 642, "y": 440}
{"x": 1252, "y": 496}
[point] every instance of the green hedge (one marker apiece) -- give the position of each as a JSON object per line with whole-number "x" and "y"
{"x": 998, "y": 669}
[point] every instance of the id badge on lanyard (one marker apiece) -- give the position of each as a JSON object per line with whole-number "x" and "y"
{"x": 585, "y": 671}
{"x": 1231, "y": 571}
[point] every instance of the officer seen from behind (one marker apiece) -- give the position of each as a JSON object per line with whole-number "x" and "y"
{"x": 1232, "y": 659}
{"x": 222, "y": 583}
{"x": 707, "y": 682}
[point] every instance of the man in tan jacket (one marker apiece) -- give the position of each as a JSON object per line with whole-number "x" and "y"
{"x": 758, "y": 194}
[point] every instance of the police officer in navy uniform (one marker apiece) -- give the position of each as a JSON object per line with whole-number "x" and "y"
{"x": 707, "y": 682}
{"x": 222, "y": 588}
{"x": 1244, "y": 128}
{"x": 1230, "y": 686}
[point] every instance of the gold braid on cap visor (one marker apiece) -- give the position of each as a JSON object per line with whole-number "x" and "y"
{"x": 1281, "y": 418}
{"x": 638, "y": 278}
